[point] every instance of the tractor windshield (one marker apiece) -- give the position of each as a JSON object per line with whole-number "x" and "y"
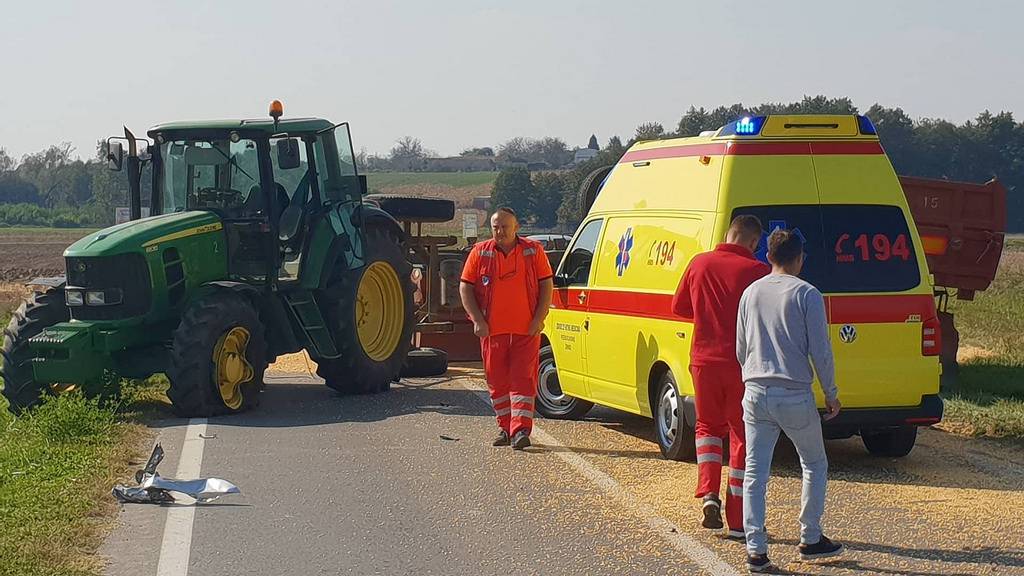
{"x": 210, "y": 174}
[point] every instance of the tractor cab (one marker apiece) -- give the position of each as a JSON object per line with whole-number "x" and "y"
{"x": 270, "y": 183}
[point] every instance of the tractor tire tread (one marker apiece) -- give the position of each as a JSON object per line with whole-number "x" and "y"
{"x": 352, "y": 372}
{"x": 36, "y": 313}
{"x": 192, "y": 392}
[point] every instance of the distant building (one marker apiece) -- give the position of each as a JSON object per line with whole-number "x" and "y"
{"x": 583, "y": 154}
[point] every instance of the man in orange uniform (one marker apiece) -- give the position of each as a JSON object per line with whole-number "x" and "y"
{"x": 709, "y": 293}
{"x": 506, "y": 290}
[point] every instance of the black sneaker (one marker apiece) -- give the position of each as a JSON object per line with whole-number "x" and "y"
{"x": 712, "y": 509}
{"x": 758, "y": 563}
{"x": 825, "y": 548}
{"x": 738, "y": 535}
{"x": 501, "y": 440}
{"x": 520, "y": 440}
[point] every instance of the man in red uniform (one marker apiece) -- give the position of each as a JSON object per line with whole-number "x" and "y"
{"x": 506, "y": 290}
{"x": 709, "y": 294}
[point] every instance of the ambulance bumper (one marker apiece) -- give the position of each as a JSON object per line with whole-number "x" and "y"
{"x": 853, "y": 420}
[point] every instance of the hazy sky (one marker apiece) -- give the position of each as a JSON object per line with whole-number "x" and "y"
{"x": 459, "y": 73}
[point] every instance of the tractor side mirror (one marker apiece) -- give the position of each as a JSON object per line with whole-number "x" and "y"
{"x": 115, "y": 156}
{"x": 288, "y": 154}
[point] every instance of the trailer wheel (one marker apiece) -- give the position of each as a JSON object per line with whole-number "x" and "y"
{"x": 425, "y": 362}
{"x": 675, "y": 437}
{"x": 39, "y": 311}
{"x": 415, "y": 208}
{"x": 893, "y": 443}
{"x": 590, "y": 187}
{"x": 370, "y": 314}
{"x": 218, "y": 357}
{"x": 551, "y": 401}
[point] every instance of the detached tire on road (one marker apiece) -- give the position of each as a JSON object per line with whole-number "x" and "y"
{"x": 39, "y": 311}
{"x": 551, "y": 401}
{"x": 425, "y": 362}
{"x": 218, "y": 357}
{"x": 675, "y": 437}
{"x": 415, "y": 208}
{"x": 370, "y": 314}
{"x": 894, "y": 443}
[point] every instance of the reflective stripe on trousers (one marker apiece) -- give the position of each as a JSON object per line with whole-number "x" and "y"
{"x": 510, "y": 364}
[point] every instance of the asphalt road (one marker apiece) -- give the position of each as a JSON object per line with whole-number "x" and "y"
{"x": 407, "y": 483}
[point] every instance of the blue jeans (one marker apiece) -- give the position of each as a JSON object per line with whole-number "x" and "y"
{"x": 766, "y": 411}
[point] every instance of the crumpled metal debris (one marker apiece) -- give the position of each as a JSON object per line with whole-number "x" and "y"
{"x": 154, "y": 489}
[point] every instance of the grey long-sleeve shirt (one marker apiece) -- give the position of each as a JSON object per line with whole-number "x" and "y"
{"x": 781, "y": 324}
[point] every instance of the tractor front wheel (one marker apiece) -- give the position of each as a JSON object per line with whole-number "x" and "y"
{"x": 218, "y": 357}
{"x": 370, "y": 313}
{"x": 40, "y": 311}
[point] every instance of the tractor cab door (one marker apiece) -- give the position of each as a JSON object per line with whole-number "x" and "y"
{"x": 334, "y": 229}
{"x": 296, "y": 194}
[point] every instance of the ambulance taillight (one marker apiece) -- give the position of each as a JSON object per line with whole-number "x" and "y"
{"x": 931, "y": 337}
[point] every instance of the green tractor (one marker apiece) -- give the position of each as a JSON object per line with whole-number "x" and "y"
{"x": 259, "y": 244}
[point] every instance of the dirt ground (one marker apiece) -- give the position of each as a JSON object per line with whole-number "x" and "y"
{"x": 30, "y": 253}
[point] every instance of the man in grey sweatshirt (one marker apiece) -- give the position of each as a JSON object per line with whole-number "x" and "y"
{"x": 781, "y": 324}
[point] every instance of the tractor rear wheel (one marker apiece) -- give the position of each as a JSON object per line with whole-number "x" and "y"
{"x": 39, "y": 311}
{"x": 218, "y": 357}
{"x": 370, "y": 313}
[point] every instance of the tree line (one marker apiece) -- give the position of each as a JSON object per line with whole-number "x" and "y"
{"x": 410, "y": 155}
{"x": 53, "y": 187}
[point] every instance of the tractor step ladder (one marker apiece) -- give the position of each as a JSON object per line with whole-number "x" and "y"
{"x": 304, "y": 307}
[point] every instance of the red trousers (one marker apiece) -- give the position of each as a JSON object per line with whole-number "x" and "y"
{"x": 719, "y": 400}
{"x": 510, "y": 364}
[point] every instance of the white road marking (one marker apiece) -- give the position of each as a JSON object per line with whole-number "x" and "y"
{"x": 704, "y": 557}
{"x": 177, "y": 543}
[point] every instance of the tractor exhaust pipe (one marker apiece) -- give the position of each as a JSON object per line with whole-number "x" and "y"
{"x": 134, "y": 177}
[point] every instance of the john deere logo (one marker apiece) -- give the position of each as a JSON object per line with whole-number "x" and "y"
{"x": 848, "y": 333}
{"x": 81, "y": 266}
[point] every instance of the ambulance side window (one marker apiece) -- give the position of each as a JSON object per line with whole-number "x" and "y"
{"x": 576, "y": 266}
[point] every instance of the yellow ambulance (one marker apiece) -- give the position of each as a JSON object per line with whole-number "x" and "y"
{"x": 611, "y": 337}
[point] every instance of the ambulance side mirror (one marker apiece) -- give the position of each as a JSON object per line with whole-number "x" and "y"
{"x": 560, "y": 281}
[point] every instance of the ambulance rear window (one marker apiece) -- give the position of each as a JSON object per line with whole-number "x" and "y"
{"x": 849, "y": 247}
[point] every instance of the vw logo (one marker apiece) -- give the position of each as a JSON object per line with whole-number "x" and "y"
{"x": 848, "y": 333}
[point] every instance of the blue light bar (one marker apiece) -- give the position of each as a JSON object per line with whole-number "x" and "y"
{"x": 866, "y": 127}
{"x": 746, "y": 126}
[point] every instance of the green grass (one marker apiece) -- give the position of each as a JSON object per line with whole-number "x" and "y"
{"x": 57, "y": 465}
{"x": 58, "y": 462}
{"x": 384, "y": 180}
{"x": 989, "y": 396}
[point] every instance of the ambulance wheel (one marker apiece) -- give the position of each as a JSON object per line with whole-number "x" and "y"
{"x": 675, "y": 437}
{"x": 894, "y": 443}
{"x": 551, "y": 401}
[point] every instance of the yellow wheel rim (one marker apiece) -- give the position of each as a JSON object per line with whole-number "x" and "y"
{"x": 232, "y": 369}
{"x": 380, "y": 311}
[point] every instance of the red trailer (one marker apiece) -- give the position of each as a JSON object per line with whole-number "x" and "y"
{"x": 962, "y": 227}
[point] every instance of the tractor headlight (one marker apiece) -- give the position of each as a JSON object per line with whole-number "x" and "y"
{"x": 103, "y": 297}
{"x": 74, "y": 298}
